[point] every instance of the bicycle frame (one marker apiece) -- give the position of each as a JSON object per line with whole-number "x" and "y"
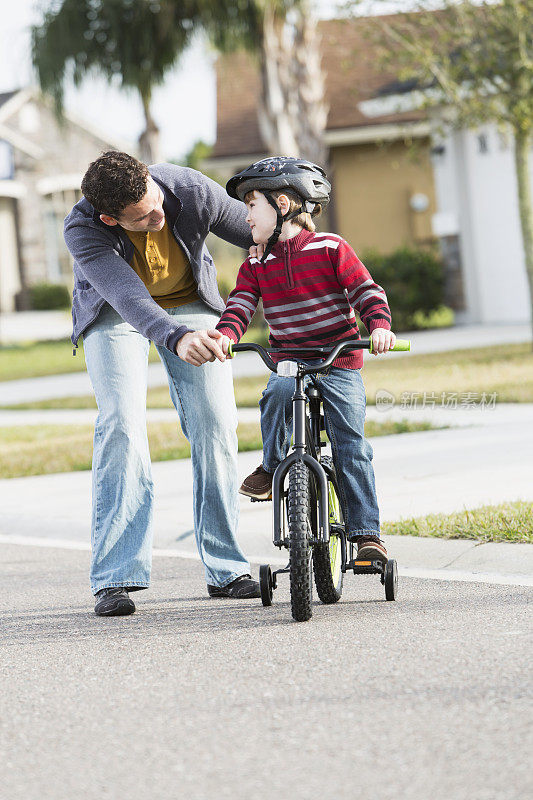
{"x": 328, "y": 579}
{"x": 298, "y": 370}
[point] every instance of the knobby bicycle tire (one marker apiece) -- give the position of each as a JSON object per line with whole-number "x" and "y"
{"x": 327, "y": 558}
{"x": 298, "y": 512}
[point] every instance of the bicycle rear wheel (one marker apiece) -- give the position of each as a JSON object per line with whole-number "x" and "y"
{"x": 327, "y": 558}
{"x": 299, "y": 524}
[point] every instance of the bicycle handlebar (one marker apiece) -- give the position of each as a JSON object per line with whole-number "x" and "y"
{"x": 347, "y": 344}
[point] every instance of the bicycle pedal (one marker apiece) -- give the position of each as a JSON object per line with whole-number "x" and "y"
{"x": 362, "y": 567}
{"x": 261, "y": 499}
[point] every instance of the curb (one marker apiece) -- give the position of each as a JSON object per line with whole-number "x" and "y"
{"x": 512, "y": 578}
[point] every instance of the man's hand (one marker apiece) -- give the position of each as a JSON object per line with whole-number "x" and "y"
{"x": 256, "y": 251}
{"x": 382, "y": 340}
{"x": 198, "y": 347}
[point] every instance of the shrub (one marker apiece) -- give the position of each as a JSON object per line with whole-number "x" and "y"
{"x": 441, "y": 317}
{"x": 48, "y": 296}
{"x": 225, "y": 286}
{"x": 413, "y": 281}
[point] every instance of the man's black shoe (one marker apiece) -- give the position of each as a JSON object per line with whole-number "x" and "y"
{"x": 113, "y": 602}
{"x": 242, "y": 588}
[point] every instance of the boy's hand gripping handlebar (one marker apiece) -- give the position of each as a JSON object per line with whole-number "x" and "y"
{"x": 399, "y": 345}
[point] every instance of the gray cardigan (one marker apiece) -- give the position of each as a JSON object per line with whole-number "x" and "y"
{"x": 193, "y": 206}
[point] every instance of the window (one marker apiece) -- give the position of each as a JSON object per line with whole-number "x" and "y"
{"x": 6, "y": 161}
{"x": 56, "y": 206}
{"x": 482, "y": 143}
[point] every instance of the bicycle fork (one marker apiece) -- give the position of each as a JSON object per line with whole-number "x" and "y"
{"x": 299, "y": 454}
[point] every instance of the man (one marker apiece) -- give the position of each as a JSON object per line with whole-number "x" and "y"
{"x": 143, "y": 273}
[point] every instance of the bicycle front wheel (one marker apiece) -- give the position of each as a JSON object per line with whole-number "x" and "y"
{"x": 299, "y": 525}
{"x": 327, "y": 558}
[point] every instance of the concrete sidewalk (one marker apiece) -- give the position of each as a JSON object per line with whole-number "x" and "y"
{"x": 24, "y": 326}
{"x": 416, "y": 474}
{"x": 78, "y": 384}
{"x": 449, "y": 417}
{"x": 487, "y": 457}
{"x": 440, "y": 340}
{"x": 34, "y": 326}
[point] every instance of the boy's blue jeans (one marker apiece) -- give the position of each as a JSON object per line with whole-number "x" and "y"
{"x": 344, "y": 411}
{"x": 117, "y": 359}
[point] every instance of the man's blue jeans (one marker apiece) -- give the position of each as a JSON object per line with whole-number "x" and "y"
{"x": 344, "y": 411}
{"x": 117, "y": 360}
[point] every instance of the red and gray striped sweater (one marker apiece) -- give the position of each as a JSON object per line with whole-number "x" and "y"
{"x": 309, "y": 286}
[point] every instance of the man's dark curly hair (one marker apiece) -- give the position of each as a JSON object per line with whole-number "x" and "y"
{"x": 114, "y": 181}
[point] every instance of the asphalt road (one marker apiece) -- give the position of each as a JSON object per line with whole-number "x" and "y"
{"x": 427, "y": 697}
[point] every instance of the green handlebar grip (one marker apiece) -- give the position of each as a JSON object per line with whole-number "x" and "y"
{"x": 230, "y": 354}
{"x": 400, "y": 344}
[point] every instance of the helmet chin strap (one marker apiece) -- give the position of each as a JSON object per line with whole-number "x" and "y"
{"x": 280, "y": 219}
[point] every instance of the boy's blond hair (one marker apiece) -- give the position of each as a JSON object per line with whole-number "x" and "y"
{"x": 303, "y": 220}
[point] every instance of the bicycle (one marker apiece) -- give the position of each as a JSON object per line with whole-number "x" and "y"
{"x": 307, "y": 515}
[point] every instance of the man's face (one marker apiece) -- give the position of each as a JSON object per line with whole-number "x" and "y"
{"x": 146, "y": 215}
{"x": 261, "y": 217}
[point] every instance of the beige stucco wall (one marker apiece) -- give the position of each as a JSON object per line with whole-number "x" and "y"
{"x": 373, "y": 185}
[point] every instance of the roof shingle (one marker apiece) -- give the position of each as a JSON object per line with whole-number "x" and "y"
{"x": 352, "y": 75}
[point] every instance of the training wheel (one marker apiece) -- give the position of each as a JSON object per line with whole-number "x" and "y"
{"x": 390, "y": 576}
{"x": 266, "y": 584}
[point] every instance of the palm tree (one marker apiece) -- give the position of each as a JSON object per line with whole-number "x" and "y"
{"x": 282, "y": 34}
{"x": 136, "y": 42}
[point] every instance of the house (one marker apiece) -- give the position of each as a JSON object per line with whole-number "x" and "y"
{"x": 41, "y": 167}
{"x": 395, "y": 181}
{"x": 380, "y": 166}
{"x": 477, "y": 220}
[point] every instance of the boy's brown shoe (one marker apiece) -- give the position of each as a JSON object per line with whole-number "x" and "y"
{"x": 258, "y": 484}
{"x": 370, "y": 548}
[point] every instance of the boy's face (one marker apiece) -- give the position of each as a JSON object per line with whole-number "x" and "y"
{"x": 261, "y": 217}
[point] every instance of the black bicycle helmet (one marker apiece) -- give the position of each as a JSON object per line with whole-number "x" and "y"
{"x": 303, "y": 178}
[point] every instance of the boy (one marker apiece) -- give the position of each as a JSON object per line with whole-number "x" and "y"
{"x": 309, "y": 284}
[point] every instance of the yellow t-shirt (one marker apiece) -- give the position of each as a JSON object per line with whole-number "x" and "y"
{"x": 163, "y": 267}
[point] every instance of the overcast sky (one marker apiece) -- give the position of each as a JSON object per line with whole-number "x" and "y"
{"x": 184, "y": 107}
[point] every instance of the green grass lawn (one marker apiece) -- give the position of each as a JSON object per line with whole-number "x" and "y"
{"x": 507, "y": 522}
{"x": 505, "y": 370}
{"x": 36, "y": 359}
{"x": 44, "y": 449}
